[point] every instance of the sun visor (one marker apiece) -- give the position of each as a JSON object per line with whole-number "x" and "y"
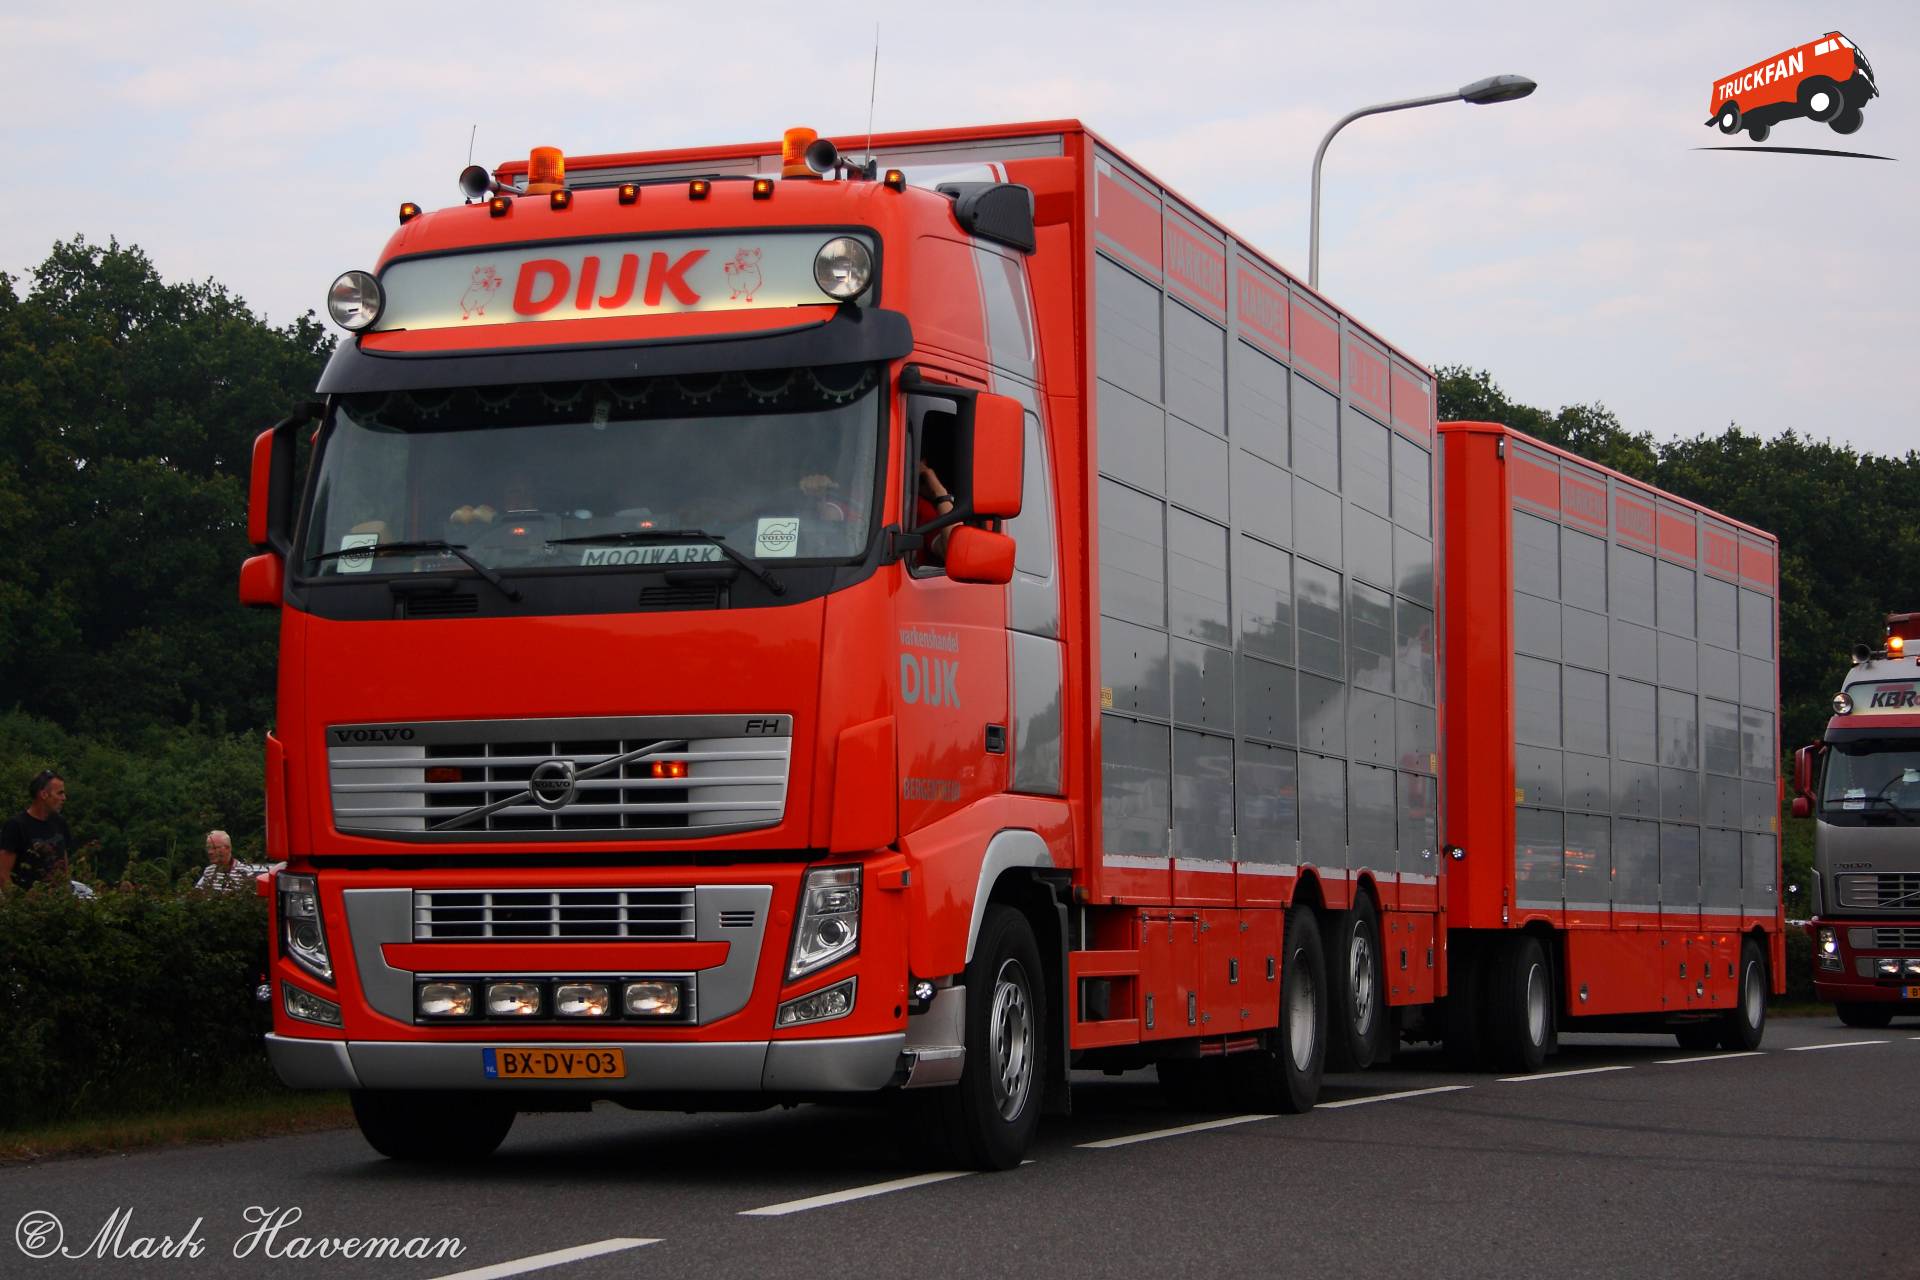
{"x": 851, "y": 336}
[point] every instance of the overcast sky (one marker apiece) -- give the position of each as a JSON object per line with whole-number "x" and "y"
{"x": 1575, "y": 243}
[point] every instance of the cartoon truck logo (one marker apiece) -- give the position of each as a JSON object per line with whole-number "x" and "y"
{"x": 1826, "y": 80}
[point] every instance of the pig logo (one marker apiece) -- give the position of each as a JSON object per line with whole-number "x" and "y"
{"x": 743, "y": 275}
{"x": 486, "y": 282}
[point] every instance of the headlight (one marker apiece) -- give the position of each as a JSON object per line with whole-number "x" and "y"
{"x": 354, "y": 302}
{"x": 843, "y": 268}
{"x": 302, "y": 934}
{"x": 1826, "y": 948}
{"x": 1887, "y": 967}
{"x": 828, "y": 926}
{"x": 444, "y": 1000}
{"x": 1913, "y": 969}
{"x": 823, "y": 1005}
{"x": 307, "y": 1007}
{"x": 513, "y": 999}
{"x": 1842, "y": 705}
{"x": 653, "y": 999}
{"x": 583, "y": 999}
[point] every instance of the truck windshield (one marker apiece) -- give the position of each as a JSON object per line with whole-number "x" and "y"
{"x": 779, "y": 465}
{"x": 1874, "y": 780}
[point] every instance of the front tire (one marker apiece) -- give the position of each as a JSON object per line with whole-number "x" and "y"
{"x": 1870, "y": 1017}
{"x": 1284, "y": 1075}
{"x": 1520, "y": 1005}
{"x": 432, "y": 1128}
{"x": 988, "y": 1119}
{"x": 1820, "y": 98}
{"x": 1356, "y": 989}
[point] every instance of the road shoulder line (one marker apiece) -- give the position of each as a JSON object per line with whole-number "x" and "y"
{"x": 830, "y": 1198}
{"x": 1710, "y": 1057}
{"x": 1561, "y": 1075}
{"x": 1391, "y": 1097}
{"x": 1131, "y": 1138}
{"x": 557, "y": 1258}
{"x": 1837, "y": 1044}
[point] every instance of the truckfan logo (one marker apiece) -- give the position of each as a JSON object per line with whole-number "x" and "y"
{"x": 486, "y": 283}
{"x": 554, "y": 784}
{"x": 743, "y": 275}
{"x": 1826, "y": 81}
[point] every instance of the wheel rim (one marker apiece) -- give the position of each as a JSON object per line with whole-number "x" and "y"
{"x": 1754, "y": 995}
{"x": 1819, "y": 102}
{"x": 1302, "y": 1015}
{"x": 1360, "y": 978}
{"x": 1537, "y": 1004}
{"x": 1010, "y": 1046}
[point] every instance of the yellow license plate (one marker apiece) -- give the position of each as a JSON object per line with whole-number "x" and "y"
{"x": 1911, "y": 993}
{"x": 554, "y": 1064}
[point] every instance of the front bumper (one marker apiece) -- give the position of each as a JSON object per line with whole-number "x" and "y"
{"x": 856, "y": 1064}
{"x": 1862, "y": 943}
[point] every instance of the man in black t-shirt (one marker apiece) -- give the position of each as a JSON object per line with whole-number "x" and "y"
{"x": 35, "y": 839}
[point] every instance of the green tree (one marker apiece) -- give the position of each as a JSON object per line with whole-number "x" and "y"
{"x": 128, "y": 406}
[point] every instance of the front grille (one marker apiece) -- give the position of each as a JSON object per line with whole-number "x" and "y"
{"x": 442, "y": 606}
{"x": 1896, "y": 891}
{"x": 705, "y": 596}
{"x": 650, "y": 915}
{"x": 1897, "y": 939}
{"x": 690, "y": 775}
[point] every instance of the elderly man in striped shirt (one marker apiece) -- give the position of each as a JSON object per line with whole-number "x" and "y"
{"x": 223, "y": 874}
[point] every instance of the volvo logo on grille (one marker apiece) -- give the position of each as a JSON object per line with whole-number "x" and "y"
{"x": 554, "y": 784}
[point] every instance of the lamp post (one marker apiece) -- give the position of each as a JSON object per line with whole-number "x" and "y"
{"x": 1480, "y": 93}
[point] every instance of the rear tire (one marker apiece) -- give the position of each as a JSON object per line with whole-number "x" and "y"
{"x": 1820, "y": 98}
{"x": 1746, "y": 1023}
{"x": 432, "y": 1128}
{"x": 1848, "y": 121}
{"x": 1867, "y": 1016}
{"x": 1520, "y": 1005}
{"x": 1729, "y": 119}
{"x": 1284, "y": 1075}
{"x": 1356, "y": 989}
{"x": 988, "y": 1119}
{"x": 1758, "y": 132}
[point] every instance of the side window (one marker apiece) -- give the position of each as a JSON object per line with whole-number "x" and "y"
{"x": 1032, "y": 529}
{"x": 933, "y": 476}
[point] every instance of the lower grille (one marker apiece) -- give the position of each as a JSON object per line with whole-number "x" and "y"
{"x": 564, "y": 914}
{"x": 1897, "y": 939}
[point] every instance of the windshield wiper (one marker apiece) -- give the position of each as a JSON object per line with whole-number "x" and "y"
{"x": 670, "y": 535}
{"x": 415, "y": 548}
{"x": 1889, "y": 801}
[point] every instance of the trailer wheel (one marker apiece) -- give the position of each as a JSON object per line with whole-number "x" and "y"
{"x": 987, "y": 1120}
{"x": 1746, "y": 1022}
{"x": 1758, "y": 131}
{"x": 436, "y": 1128}
{"x": 1729, "y": 119}
{"x": 1869, "y": 1016}
{"x": 1284, "y": 1075}
{"x": 1520, "y": 1004}
{"x": 1820, "y": 99}
{"x": 1356, "y": 989}
{"x": 1847, "y": 121}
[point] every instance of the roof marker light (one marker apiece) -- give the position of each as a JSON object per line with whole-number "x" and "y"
{"x": 629, "y": 193}
{"x": 1896, "y": 645}
{"x": 793, "y": 152}
{"x": 408, "y": 212}
{"x": 896, "y": 180}
{"x": 561, "y": 199}
{"x": 698, "y": 188}
{"x": 499, "y": 205}
{"x": 763, "y": 188}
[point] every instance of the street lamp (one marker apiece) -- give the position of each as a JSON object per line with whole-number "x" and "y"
{"x": 1480, "y": 92}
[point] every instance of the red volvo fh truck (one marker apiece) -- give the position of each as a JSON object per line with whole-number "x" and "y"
{"x": 1860, "y": 783}
{"x": 758, "y": 626}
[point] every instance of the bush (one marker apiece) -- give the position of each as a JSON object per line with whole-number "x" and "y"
{"x": 134, "y": 1000}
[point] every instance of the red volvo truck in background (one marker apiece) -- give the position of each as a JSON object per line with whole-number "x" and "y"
{"x": 1860, "y": 783}
{"x": 1826, "y": 80}
{"x": 758, "y": 627}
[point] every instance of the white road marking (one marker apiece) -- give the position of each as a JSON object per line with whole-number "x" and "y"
{"x": 1390, "y": 1097}
{"x": 1837, "y": 1044}
{"x": 1560, "y": 1075}
{"x": 1130, "y": 1139}
{"x": 853, "y": 1193}
{"x": 1710, "y": 1057}
{"x": 559, "y": 1257}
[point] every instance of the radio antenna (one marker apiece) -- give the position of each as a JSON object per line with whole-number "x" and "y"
{"x": 873, "y": 89}
{"x": 470, "y": 137}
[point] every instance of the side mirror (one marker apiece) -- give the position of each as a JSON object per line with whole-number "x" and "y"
{"x": 263, "y": 580}
{"x": 979, "y": 555}
{"x": 270, "y": 504}
{"x": 1802, "y": 807}
{"x": 996, "y": 488}
{"x": 1803, "y": 771}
